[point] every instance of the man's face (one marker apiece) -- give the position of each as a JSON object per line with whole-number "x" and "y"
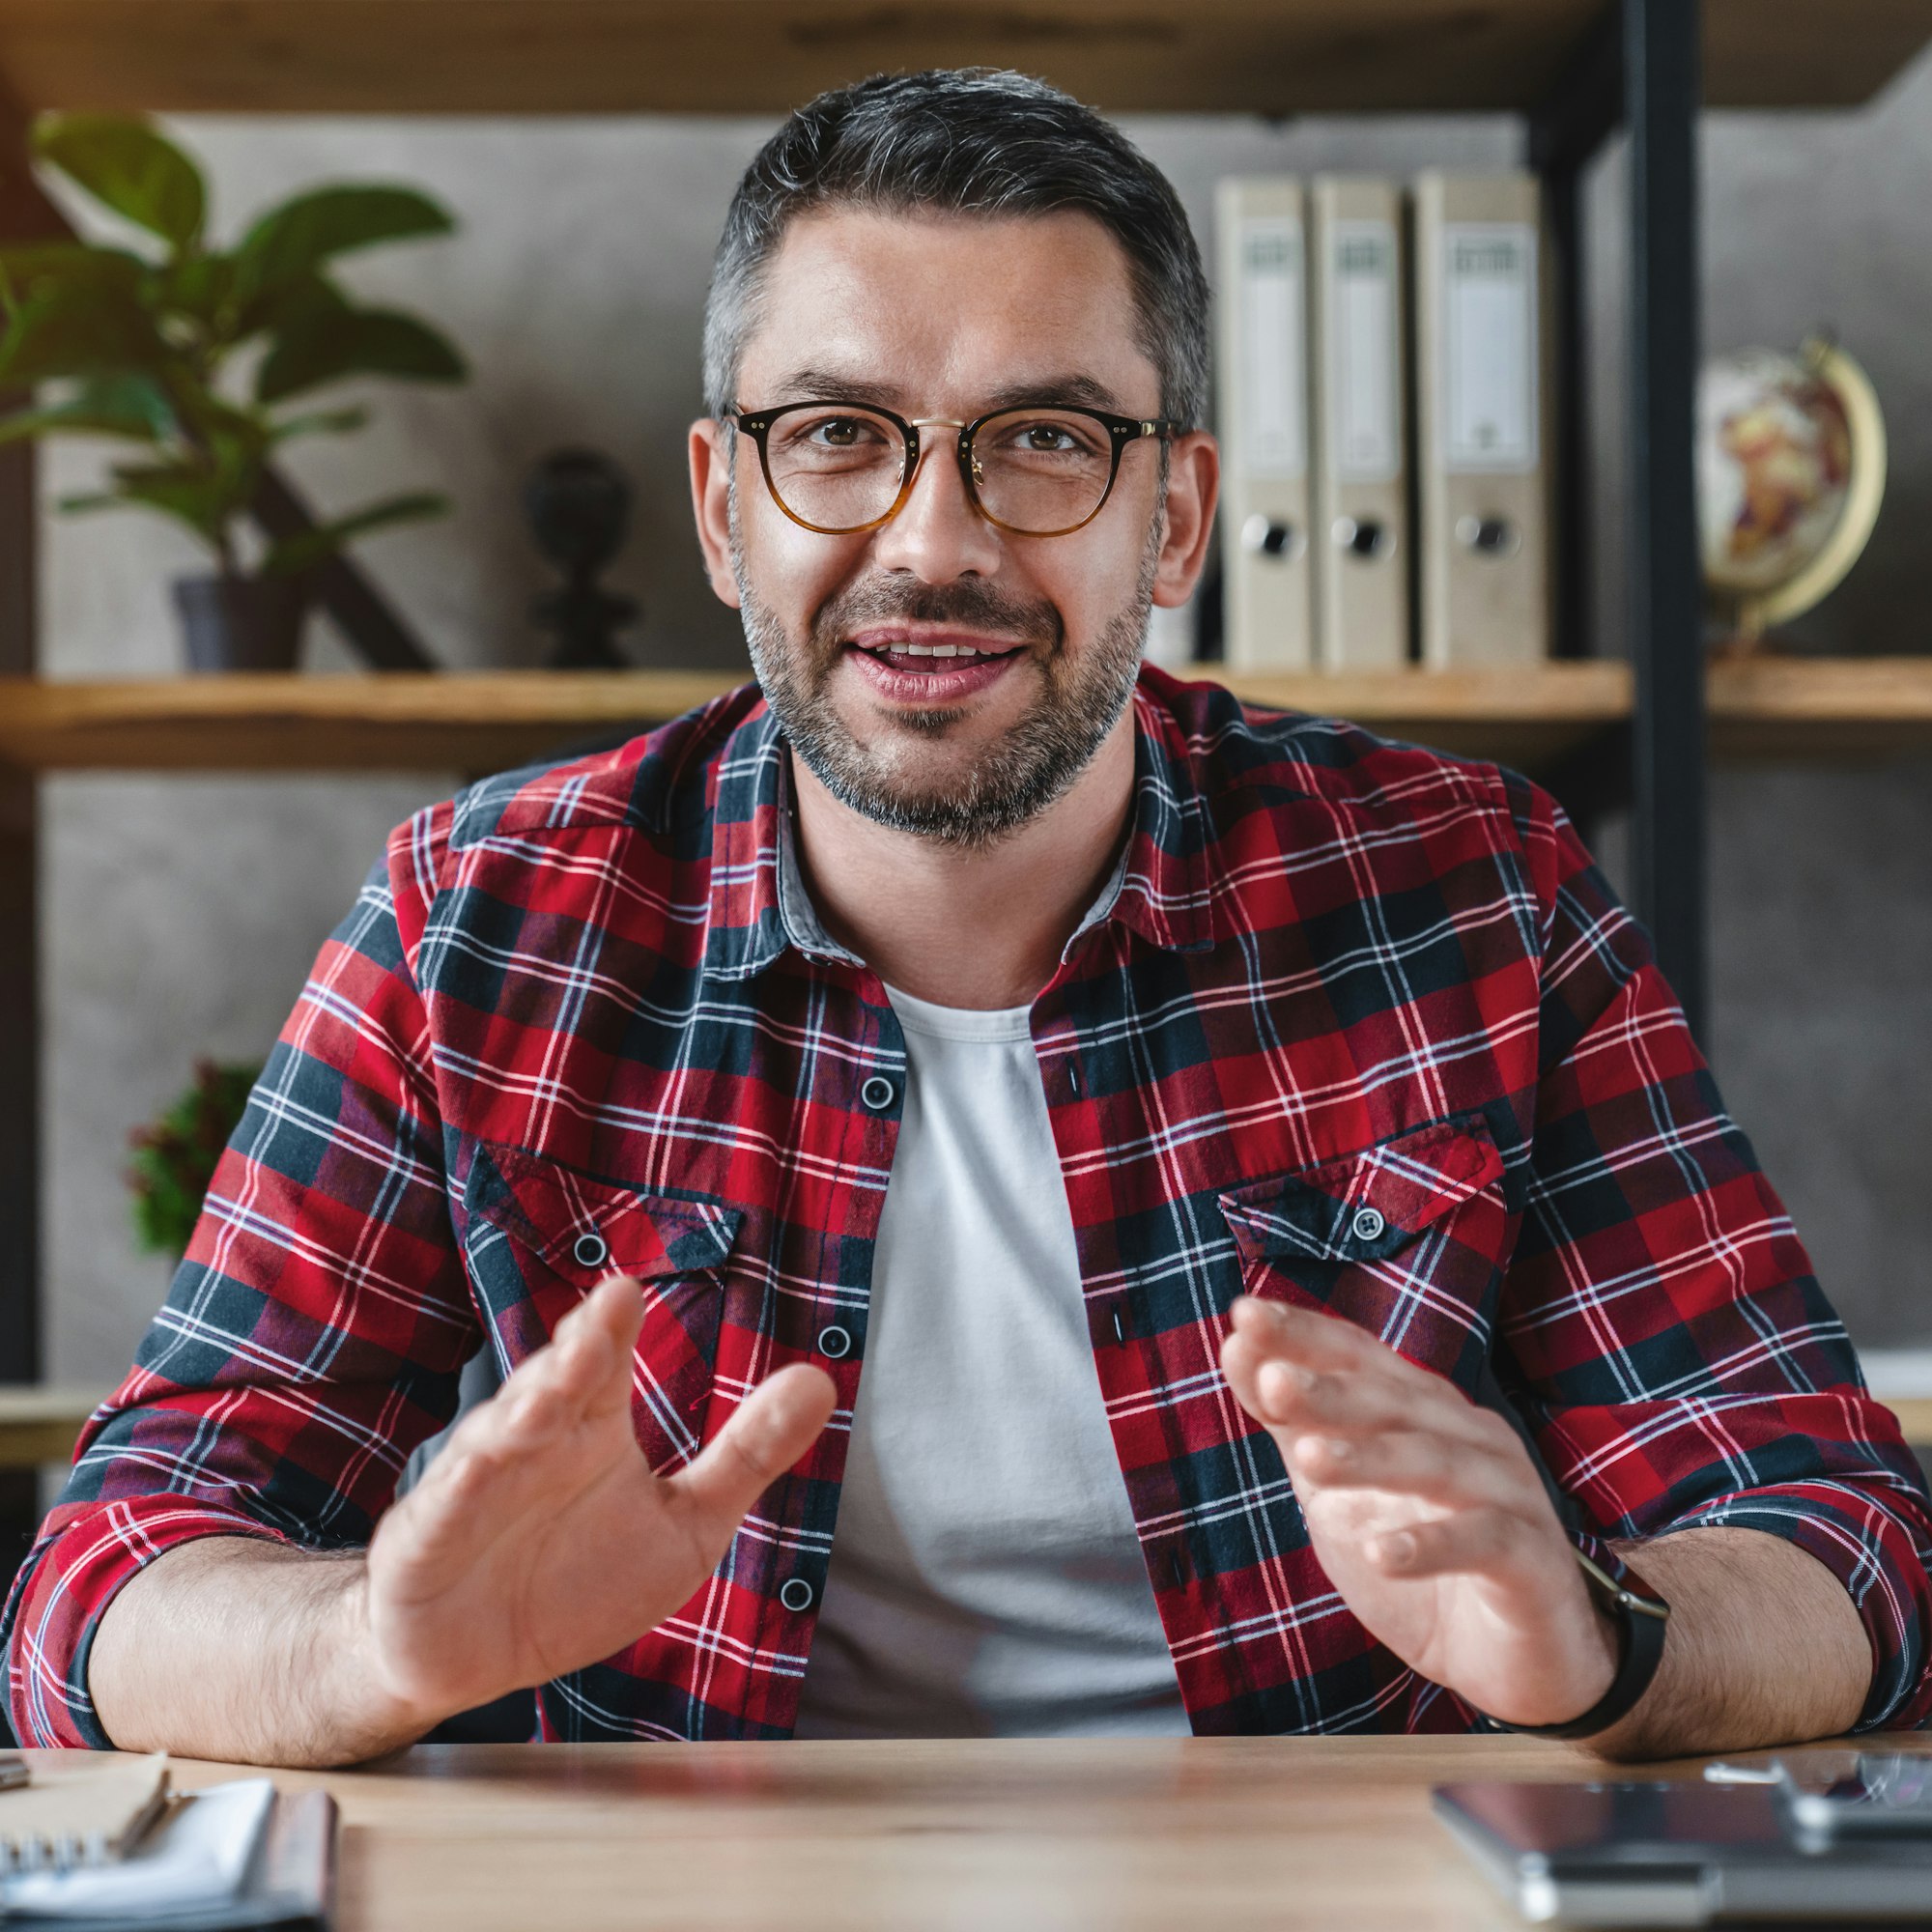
{"x": 947, "y": 317}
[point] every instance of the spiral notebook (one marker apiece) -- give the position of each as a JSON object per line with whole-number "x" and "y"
{"x": 113, "y": 1846}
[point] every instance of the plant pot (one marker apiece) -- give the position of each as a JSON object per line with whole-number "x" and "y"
{"x": 242, "y": 623}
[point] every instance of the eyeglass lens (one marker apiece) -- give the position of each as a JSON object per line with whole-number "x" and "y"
{"x": 1041, "y": 470}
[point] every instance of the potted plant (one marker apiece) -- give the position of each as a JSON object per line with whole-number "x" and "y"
{"x": 174, "y": 1156}
{"x": 141, "y": 344}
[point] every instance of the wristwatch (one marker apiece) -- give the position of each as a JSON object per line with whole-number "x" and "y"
{"x": 1641, "y": 1617}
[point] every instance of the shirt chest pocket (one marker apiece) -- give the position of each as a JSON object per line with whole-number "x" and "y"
{"x": 542, "y": 1236}
{"x": 1408, "y": 1238}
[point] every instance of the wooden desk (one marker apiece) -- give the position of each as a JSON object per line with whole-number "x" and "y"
{"x": 977, "y": 1836}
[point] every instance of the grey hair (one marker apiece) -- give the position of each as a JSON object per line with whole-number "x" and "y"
{"x": 965, "y": 141}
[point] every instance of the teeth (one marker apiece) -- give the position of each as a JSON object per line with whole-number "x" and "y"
{"x": 930, "y": 651}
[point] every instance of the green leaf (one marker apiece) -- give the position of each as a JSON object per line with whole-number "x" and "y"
{"x": 87, "y": 501}
{"x": 70, "y": 267}
{"x": 192, "y": 496}
{"x": 67, "y": 333}
{"x": 215, "y": 421}
{"x": 129, "y": 407}
{"x": 129, "y": 167}
{"x": 357, "y": 342}
{"x": 300, "y": 236}
{"x": 304, "y": 551}
{"x": 298, "y": 304}
{"x": 201, "y": 286}
{"x": 319, "y": 422}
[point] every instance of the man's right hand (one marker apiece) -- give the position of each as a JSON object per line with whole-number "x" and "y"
{"x": 540, "y": 1541}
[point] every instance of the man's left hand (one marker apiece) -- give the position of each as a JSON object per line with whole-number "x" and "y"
{"x": 1427, "y": 1515}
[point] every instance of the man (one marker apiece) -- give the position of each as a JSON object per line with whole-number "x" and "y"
{"x": 1012, "y": 1193}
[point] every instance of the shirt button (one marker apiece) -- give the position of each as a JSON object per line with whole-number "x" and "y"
{"x": 590, "y": 1251}
{"x": 834, "y": 1342}
{"x": 1367, "y": 1225}
{"x": 797, "y": 1594}
{"x": 878, "y": 1093}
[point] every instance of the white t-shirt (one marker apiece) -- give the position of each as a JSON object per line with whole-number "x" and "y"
{"x": 985, "y": 1576}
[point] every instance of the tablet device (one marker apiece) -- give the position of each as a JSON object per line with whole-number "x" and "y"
{"x": 1611, "y": 1854}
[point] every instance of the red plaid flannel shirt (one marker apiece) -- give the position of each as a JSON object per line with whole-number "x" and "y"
{"x": 1362, "y": 1028}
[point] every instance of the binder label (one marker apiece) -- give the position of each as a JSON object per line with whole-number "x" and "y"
{"x": 1488, "y": 346}
{"x": 1362, "y": 377}
{"x": 1272, "y": 418}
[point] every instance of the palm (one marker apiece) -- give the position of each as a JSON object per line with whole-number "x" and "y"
{"x": 541, "y": 1541}
{"x": 1426, "y": 1514}
{"x": 1456, "y": 1629}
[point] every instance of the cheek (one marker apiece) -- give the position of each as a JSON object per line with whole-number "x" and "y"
{"x": 791, "y": 571}
{"x": 1092, "y": 583}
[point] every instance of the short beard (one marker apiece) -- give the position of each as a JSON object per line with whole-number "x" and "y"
{"x": 1034, "y": 764}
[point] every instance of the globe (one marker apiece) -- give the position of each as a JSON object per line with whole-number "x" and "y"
{"x": 1790, "y": 468}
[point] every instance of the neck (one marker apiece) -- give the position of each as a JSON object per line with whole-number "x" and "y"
{"x": 977, "y": 928}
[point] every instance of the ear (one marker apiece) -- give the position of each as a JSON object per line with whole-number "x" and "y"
{"x": 1193, "y": 483}
{"x": 711, "y": 503}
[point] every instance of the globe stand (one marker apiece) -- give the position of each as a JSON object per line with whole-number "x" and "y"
{"x": 578, "y": 505}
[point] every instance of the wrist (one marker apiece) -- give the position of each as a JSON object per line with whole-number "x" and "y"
{"x": 377, "y": 1709}
{"x": 1639, "y": 1616}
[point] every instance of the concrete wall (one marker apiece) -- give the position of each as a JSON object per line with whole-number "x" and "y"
{"x": 182, "y": 914}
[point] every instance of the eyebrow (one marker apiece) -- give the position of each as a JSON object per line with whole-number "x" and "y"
{"x": 1073, "y": 389}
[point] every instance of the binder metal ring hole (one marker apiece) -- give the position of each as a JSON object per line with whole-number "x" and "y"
{"x": 1268, "y": 536}
{"x": 1489, "y": 536}
{"x": 1365, "y": 537}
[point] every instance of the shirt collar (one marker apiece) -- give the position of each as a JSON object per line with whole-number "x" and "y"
{"x": 1160, "y": 889}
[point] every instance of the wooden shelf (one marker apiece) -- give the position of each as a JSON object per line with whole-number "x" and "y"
{"x": 1820, "y": 708}
{"x": 477, "y": 722}
{"x": 400, "y": 721}
{"x": 763, "y": 56}
{"x": 1791, "y": 708}
{"x": 39, "y": 1424}
{"x": 1914, "y": 1418}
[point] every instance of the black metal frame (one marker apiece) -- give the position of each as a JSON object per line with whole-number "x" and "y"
{"x": 1638, "y": 69}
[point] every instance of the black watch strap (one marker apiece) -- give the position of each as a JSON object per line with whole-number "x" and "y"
{"x": 1641, "y": 1617}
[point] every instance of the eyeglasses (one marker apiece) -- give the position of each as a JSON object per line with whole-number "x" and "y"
{"x": 839, "y": 467}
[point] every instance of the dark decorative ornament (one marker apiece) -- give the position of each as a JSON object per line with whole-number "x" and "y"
{"x": 578, "y": 506}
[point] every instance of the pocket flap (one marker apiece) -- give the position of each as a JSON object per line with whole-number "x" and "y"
{"x": 1366, "y": 1206}
{"x": 584, "y": 1229}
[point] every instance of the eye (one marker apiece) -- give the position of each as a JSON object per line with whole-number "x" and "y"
{"x": 836, "y": 433}
{"x": 1044, "y": 435}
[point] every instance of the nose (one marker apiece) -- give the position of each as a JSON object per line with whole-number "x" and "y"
{"x": 938, "y": 535}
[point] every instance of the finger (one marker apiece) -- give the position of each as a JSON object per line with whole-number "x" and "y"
{"x": 1290, "y": 1399}
{"x": 774, "y": 1426}
{"x": 1477, "y": 1541}
{"x": 1337, "y": 1385}
{"x": 584, "y": 1369}
{"x": 585, "y": 1365}
{"x": 1316, "y": 1340}
{"x": 1429, "y": 1467}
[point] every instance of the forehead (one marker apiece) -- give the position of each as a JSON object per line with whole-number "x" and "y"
{"x": 947, "y": 305}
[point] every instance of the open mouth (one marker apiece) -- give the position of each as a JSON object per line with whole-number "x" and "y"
{"x": 899, "y": 670}
{"x": 916, "y": 658}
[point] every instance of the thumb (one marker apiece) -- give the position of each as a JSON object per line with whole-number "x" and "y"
{"x": 774, "y": 1426}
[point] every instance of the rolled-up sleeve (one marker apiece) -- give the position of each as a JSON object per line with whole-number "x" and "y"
{"x": 1677, "y": 1361}
{"x": 314, "y": 1333}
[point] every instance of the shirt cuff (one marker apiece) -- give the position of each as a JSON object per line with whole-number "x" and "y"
{"x": 86, "y": 1554}
{"x": 1879, "y": 1555}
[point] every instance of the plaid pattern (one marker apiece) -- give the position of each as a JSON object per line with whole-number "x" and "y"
{"x": 1362, "y": 1028}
